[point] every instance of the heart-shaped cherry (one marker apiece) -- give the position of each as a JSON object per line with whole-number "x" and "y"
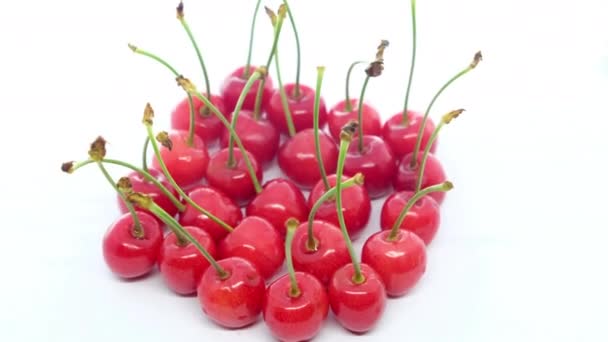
{"x": 400, "y": 132}
{"x": 206, "y": 125}
{"x": 423, "y": 218}
{"x": 296, "y": 304}
{"x": 300, "y": 106}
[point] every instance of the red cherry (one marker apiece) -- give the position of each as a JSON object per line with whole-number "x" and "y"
{"x": 402, "y": 138}
{"x": 301, "y": 109}
{"x": 357, "y": 307}
{"x": 279, "y": 200}
{"x": 433, "y": 174}
{"x": 182, "y": 266}
{"x": 423, "y": 218}
{"x": 400, "y": 262}
{"x": 356, "y": 206}
{"x": 127, "y": 256}
{"x": 207, "y": 126}
{"x": 259, "y": 137}
{"x": 256, "y": 240}
{"x": 233, "y": 181}
{"x": 141, "y": 185}
{"x": 298, "y": 160}
{"x": 233, "y": 86}
{"x": 234, "y": 301}
{"x": 218, "y": 204}
{"x": 376, "y": 162}
{"x": 186, "y": 164}
{"x": 297, "y": 318}
{"x": 331, "y": 252}
{"x": 338, "y": 116}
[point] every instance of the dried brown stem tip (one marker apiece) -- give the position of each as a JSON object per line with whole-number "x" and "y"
{"x": 186, "y": 84}
{"x": 282, "y": 10}
{"x": 451, "y": 115}
{"x": 97, "y": 151}
{"x": 271, "y": 15}
{"x": 349, "y": 130}
{"x": 132, "y": 47}
{"x": 359, "y": 178}
{"x": 163, "y": 139}
{"x": 148, "y": 115}
{"x": 67, "y": 167}
{"x": 140, "y": 199}
{"x": 375, "y": 68}
{"x": 478, "y": 58}
{"x": 124, "y": 185}
{"x": 180, "y": 10}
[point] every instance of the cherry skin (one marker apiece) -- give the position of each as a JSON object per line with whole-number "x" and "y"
{"x": 279, "y": 200}
{"x": 400, "y": 262}
{"x": 338, "y": 117}
{"x": 206, "y": 125}
{"x": 433, "y": 174}
{"x": 215, "y": 202}
{"x": 186, "y": 164}
{"x": 233, "y": 85}
{"x": 330, "y": 254}
{"x": 141, "y": 185}
{"x": 357, "y": 307}
{"x": 256, "y": 240}
{"x": 376, "y": 162}
{"x": 127, "y": 256}
{"x": 356, "y": 206}
{"x": 182, "y": 266}
{"x": 423, "y": 218}
{"x": 233, "y": 181}
{"x": 297, "y": 318}
{"x": 297, "y": 158}
{"x": 259, "y": 137}
{"x": 402, "y": 139}
{"x": 301, "y": 109}
{"x": 236, "y": 300}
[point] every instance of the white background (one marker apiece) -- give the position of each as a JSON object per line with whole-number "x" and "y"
{"x": 520, "y": 256}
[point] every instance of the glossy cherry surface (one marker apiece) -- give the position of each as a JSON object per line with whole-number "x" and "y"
{"x": 127, "y": 256}
{"x": 301, "y": 109}
{"x": 256, "y": 240}
{"x": 297, "y": 318}
{"x": 356, "y": 206}
{"x": 433, "y": 174}
{"x": 141, "y": 185}
{"x": 402, "y": 138}
{"x": 357, "y": 307}
{"x": 330, "y": 253}
{"x": 234, "y": 181}
{"x": 401, "y": 262}
{"x": 376, "y": 162}
{"x": 338, "y": 116}
{"x": 297, "y": 158}
{"x": 182, "y": 266}
{"x": 215, "y": 202}
{"x": 279, "y": 200}
{"x": 233, "y": 85}
{"x": 235, "y": 301}
{"x": 186, "y": 164}
{"x": 423, "y": 218}
{"x": 207, "y": 126}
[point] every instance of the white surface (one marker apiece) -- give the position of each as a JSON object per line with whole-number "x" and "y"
{"x": 520, "y": 255}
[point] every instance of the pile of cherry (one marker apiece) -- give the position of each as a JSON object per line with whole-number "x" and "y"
{"x": 226, "y": 255}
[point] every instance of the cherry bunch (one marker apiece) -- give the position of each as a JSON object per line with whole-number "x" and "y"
{"x": 229, "y": 257}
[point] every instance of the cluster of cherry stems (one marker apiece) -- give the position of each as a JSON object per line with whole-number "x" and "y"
{"x": 225, "y": 258}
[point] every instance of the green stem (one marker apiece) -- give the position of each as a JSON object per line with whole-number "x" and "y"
{"x": 239, "y": 104}
{"x": 445, "y": 186}
{"x": 251, "y": 35}
{"x": 360, "y": 114}
{"x": 347, "y": 105}
{"x": 144, "y": 159}
{"x": 296, "y": 89}
{"x": 316, "y": 129}
{"x": 179, "y": 190}
{"x": 291, "y": 129}
{"x": 413, "y": 63}
{"x": 182, "y": 20}
{"x": 292, "y": 225}
{"x": 425, "y": 155}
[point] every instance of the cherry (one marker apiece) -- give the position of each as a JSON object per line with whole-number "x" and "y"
{"x": 300, "y": 109}
{"x": 296, "y": 304}
{"x": 216, "y": 202}
{"x": 233, "y": 178}
{"x": 341, "y": 113}
{"x": 142, "y": 184}
{"x": 423, "y": 218}
{"x": 256, "y": 240}
{"x": 401, "y": 134}
{"x": 377, "y": 163}
{"x": 279, "y": 200}
{"x": 407, "y": 176}
{"x": 180, "y": 263}
{"x": 207, "y": 126}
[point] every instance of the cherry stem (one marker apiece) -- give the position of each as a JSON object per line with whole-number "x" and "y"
{"x": 291, "y": 129}
{"x": 144, "y": 155}
{"x": 292, "y": 225}
{"x": 470, "y": 67}
{"x": 316, "y": 129}
{"x": 182, "y": 20}
{"x": 296, "y": 89}
{"x": 311, "y": 242}
{"x": 411, "y": 76}
{"x": 445, "y": 186}
{"x": 179, "y": 205}
{"x": 179, "y": 190}
{"x": 251, "y": 35}
{"x": 237, "y": 110}
{"x": 345, "y": 139}
{"x": 360, "y": 113}
{"x": 347, "y": 105}
{"x": 137, "y": 231}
